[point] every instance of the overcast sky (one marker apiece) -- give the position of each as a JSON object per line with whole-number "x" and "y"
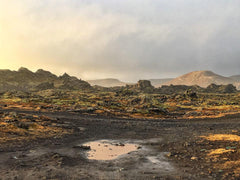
{"x": 125, "y": 39}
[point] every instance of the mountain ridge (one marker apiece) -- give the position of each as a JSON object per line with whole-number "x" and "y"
{"x": 26, "y": 80}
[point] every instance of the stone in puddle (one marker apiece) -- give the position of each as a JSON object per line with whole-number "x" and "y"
{"x": 83, "y": 147}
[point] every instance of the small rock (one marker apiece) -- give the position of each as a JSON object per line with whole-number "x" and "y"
{"x": 15, "y": 157}
{"x": 194, "y": 158}
{"x": 169, "y": 154}
{"x": 81, "y": 128}
{"x": 121, "y": 169}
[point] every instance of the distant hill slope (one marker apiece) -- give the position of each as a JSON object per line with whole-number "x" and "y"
{"x": 237, "y": 84}
{"x": 201, "y": 78}
{"x": 109, "y": 82}
{"x": 236, "y": 78}
{"x": 26, "y": 80}
{"x": 158, "y": 82}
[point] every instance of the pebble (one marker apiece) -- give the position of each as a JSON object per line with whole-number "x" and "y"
{"x": 194, "y": 158}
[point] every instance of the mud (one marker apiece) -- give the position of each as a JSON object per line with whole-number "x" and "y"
{"x": 166, "y": 149}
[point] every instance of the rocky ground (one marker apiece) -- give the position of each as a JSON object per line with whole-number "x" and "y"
{"x": 169, "y": 149}
{"x": 125, "y": 104}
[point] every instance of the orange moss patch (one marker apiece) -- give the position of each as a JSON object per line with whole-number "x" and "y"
{"x": 219, "y": 151}
{"x": 16, "y": 127}
{"x": 237, "y": 171}
{"x": 230, "y": 165}
{"x": 12, "y": 133}
{"x": 225, "y": 160}
{"x": 222, "y": 137}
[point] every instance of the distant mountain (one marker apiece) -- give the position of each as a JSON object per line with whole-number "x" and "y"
{"x": 109, "y": 82}
{"x": 26, "y": 80}
{"x": 158, "y": 82}
{"x": 201, "y": 78}
{"x": 236, "y": 78}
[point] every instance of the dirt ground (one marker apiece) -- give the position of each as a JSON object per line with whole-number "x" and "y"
{"x": 169, "y": 149}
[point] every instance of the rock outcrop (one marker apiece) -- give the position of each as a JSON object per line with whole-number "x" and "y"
{"x": 213, "y": 88}
{"x": 26, "y": 80}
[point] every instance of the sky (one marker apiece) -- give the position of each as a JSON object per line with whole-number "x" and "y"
{"x": 124, "y": 39}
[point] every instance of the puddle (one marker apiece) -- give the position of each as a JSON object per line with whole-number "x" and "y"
{"x": 108, "y": 150}
{"x": 160, "y": 162}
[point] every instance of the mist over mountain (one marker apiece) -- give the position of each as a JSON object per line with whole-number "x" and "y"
{"x": 158, "y": 82}
{"x": 108, "y": 82}
{"x": 111, "y": 82}
{"x": 128, "y": 40}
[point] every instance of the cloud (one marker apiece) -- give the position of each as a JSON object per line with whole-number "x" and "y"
{"x": 123, "y": 39}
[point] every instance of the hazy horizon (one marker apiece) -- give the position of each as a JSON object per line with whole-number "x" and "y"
{"x": 127, "y": 40}
{"x": 62, "y": 73}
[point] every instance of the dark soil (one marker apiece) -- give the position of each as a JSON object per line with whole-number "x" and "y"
{"x": 171, "y": 149}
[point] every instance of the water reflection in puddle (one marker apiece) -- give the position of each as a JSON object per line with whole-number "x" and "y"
{"x": 108, "y": 150}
